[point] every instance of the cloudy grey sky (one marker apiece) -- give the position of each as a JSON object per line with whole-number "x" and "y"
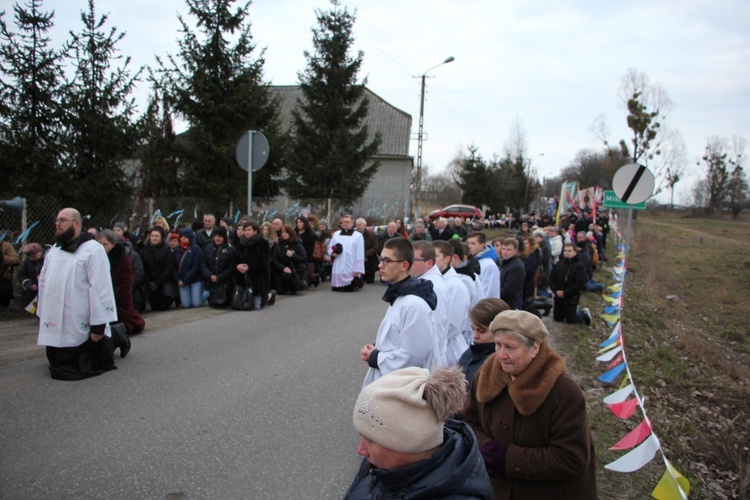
{"x": 553, "y": 65}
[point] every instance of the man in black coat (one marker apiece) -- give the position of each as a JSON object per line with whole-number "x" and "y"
{"x": 512, "y": 274}
{"x": 442, "y": 231}
{"x": 371, "y": 249}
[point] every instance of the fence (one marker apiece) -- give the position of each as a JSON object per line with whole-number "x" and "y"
{"x": 180, "y": 211}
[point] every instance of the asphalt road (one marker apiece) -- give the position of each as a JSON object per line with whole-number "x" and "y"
{"x": 225, "y": 405}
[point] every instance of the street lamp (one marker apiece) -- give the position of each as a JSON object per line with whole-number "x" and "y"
{"x": 528, "y": 179}
{"x": 420, "y": 138}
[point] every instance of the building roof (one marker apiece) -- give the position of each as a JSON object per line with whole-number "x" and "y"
{"x": 393, "y": 124}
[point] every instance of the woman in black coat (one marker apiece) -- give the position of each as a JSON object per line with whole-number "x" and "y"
{"x": 217, "y": 268}
{"x": 251, "y": 263}
{"x": 290, "y": 261}
{"x": 567, "y": 281}
{"x": 158, "y": 264}
{"x": 307, "y": 236}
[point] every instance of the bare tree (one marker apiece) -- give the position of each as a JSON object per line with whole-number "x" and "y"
{"x": 515, "y": 147}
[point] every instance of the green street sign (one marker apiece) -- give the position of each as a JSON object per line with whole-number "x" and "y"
{"x": 612, "y": 201}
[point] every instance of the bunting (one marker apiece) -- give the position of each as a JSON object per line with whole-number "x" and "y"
{"x": 625, "y": 401}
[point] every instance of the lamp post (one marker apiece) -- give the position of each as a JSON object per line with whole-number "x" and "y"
{"x": 420, "y": 138}
{"x": 528, "y": 180}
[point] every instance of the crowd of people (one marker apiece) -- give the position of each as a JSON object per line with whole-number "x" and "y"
{"x": 459, "y": 308}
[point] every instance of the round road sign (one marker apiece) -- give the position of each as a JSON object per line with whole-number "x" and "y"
{"x": 633, "y": 183}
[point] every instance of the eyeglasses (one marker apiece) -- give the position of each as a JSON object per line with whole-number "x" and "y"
{"x": 420, "y": 260}
{"x": 61, "y": 220}
{"x": 386, "y": 260}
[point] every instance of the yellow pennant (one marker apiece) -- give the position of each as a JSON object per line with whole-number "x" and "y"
{"x": 673, "y": 485}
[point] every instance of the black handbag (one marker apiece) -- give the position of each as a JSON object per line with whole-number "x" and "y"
{"x": 220, "y": 297}
{"x": 243, "y": 299}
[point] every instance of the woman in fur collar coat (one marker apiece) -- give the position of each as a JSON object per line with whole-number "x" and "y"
{"x": 529, "y": 416}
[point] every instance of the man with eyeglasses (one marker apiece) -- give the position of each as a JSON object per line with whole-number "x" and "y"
{"x": 406, "y": 334}
{"x": 77, "y": 303}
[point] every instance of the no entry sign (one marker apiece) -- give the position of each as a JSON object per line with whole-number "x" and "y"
{"x": 633, "y": 183}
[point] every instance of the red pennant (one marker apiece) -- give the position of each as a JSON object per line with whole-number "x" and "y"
{"x": 624, "y": 409}
{"x": 634, "y": 437}
{"x": 615, "y": 362}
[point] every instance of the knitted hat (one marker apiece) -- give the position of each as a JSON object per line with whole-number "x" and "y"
{"x": 404, "y": 411}
{"x": 228, "y": 221}
{"x": 32, "y": 248}
{"x": 324, "y": 222}
{"x": 419, "y": 223}
{"x": 174, "y": 236}
{"x": 121, "y": 225}
{"x": 188, "y": 233}
{"x": 522, "y": 322}
{"x": 220, "y": 231}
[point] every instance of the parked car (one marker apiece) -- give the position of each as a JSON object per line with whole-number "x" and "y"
{"x": 466, "y": 211}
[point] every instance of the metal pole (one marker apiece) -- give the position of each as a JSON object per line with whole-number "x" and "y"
{"x": 250, "y": 174}
{"x": 420, "y": 138}
{"x": 627, "y": 232}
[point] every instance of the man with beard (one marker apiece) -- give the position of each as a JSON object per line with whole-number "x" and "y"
{"x": 347, "y": 251}
{"x": 371, "y": 249}
{"x": 77, "y": 303}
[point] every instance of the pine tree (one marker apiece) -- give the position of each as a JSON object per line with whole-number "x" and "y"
{"x": 30, "y": 103}
{"x": 158, "y": 151}
{"x": 100, "y": 133}
{"x": 331, "y": 155}
{"x": 217, "y": 86}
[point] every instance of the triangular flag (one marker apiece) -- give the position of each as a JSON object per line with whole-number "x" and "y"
{"x": 634, "y": 437}
{"x": 616, "y": 361}
{"x": 610, "y": 375}
{"x": 625, "y": 380}
{"x": 610, "y": 299}
{"x": 610, "y": 347}
{"x": 610, "y": 318}
{"x": 625, "y": 409}
{"x": 612, "y": 309}
{"x": 608, "y": 356}
{"x": 611, "y": 340}
{"x": 615, "y": 288}
{"x": 637, "y": 458}
{"x": 619, "y": 395}
{"x": 617, "y": 294}
{"x": 673, "y": 485}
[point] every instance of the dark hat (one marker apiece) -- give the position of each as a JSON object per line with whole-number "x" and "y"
{"x": 220, "y": 231}
{"x": 121, "y": 225}
{"x": 187, "y": 232}
{"x": 228, "y": 221}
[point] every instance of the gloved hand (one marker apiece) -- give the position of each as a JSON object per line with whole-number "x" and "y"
{"x": 494, "y": 453}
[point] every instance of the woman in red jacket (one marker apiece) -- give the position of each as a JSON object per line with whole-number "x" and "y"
{"x": 122, "y": 281}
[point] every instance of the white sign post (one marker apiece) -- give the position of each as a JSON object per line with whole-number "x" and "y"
{"x": 633, "y": 184}
{"x": 251, "y": 154}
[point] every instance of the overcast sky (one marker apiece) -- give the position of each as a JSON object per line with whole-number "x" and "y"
{"x": 552, "y": 65}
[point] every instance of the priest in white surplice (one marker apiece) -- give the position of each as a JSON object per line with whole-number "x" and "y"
{"x": 76, "y": 303}
{"x": 347, "y": 250}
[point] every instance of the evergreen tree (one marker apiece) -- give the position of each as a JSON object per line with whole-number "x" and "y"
{"x": 100, "y": 133}
{"x": 158, "y": 151}
{"x": 477, "y": 180}
{"x": 331, "y": 154}
{"x": 30, "y": 103}
{"x": 217, "y": 86}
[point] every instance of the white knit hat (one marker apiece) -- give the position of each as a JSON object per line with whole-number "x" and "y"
{"x": 393, "y": 412}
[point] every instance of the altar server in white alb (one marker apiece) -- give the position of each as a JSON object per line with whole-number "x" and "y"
{"x": 347, "y": 251}
{"x": 76, "y": 303}
{"x": 405, "y": 337}
{"x": 459, "y": 326}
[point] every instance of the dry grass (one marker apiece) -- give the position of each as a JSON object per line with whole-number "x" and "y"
{"x": 689, "y": 356}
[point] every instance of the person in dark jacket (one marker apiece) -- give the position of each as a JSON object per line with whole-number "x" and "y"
{"x": 410, "y": 447}
{"x": 484, "y": 341}
{"x": 512, "y": 274}
{"x": 567, "y": 281}
{"x": 28, "y": 276}
{"x": 187, "y": 272}
{"x": 442, "y": 231}
{"x": 216, "y": 267}
{"x": 546, "y": 263}
{"x": 252, "y": 264}
{"x": 307, "y": 237}
{"x": 531, "y": 257}
{"x": 158, "y": 266}
{"x": 290, "y": 261}
{"x": 371, "y": 249}
{"x": 121, "y": 270}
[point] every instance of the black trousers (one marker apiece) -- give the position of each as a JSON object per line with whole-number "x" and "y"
{"x": 86, "y": 360}
{"x": 568, "y": 312}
